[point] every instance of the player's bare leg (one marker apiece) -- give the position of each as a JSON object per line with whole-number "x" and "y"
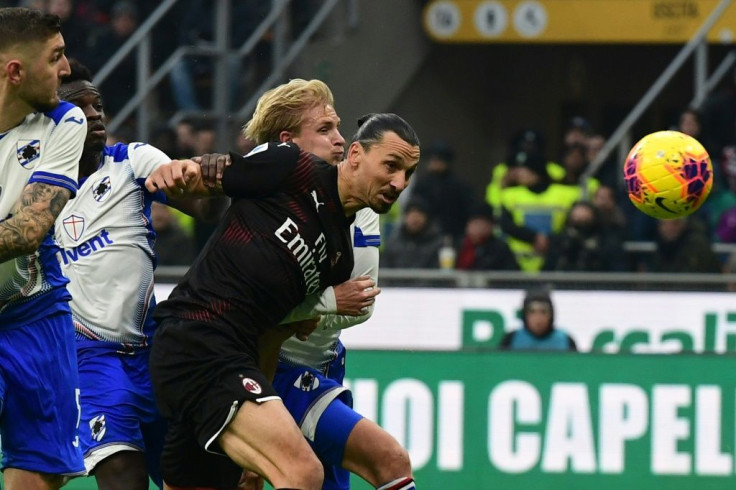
{"x": 125, "y": 470}
{"x": 16, "y": 479}
{"x": 264, "y": 438}
{"x": 374, "y": 455}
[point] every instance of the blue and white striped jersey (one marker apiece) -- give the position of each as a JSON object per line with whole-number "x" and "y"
{"x": 107, "y": 252}
{"x": 321, "y": 347}
{"x": 45, "y": 148}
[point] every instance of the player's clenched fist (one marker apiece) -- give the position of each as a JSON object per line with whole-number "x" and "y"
{"x": 356, "y": 296}
{"x": 213, "y": 166}
{"x": 177, "y": 178}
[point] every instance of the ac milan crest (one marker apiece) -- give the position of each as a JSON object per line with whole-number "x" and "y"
{"x": 252, "y": 386}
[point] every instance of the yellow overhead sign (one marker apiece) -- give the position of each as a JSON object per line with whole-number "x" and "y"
{"x": 574, "y": 21}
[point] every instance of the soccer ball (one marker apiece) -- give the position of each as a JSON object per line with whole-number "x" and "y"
{"x": 668, "y": 174}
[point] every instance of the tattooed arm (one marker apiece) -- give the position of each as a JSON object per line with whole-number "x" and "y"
{"x": 33, "y": 215}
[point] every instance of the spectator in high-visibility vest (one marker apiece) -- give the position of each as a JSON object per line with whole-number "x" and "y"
{"x": 533, "y": 210}
{"x": 525, "y": 141}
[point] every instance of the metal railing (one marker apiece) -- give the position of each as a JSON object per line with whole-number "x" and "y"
{"x": 140, "y": 41}
{"x": 561, "y": 280}
{"x": 148, "y": 80}
{"x": 616, "y": 281}
{"x": 621, "y": 137}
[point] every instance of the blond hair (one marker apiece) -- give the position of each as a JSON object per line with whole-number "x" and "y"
{"x": 282, "y": 109}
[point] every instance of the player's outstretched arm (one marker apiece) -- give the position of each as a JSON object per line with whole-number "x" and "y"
{"x": 179, "y": 178}
{"x": 34, "y": 214}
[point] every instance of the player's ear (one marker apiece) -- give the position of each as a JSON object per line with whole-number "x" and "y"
{"x": 13, "y": 71}
{"x": 355, "y": 154}
{"x": 285, "y": 136}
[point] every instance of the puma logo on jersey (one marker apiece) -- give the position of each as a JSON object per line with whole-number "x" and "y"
{"x": 317, "y": 204}
{"x": 94, "y": 244}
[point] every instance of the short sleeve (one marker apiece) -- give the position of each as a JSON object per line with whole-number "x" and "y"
{"x": 60, "y": 155}
{"x": 366, "y": 229}
{"x": 144, "y": 159}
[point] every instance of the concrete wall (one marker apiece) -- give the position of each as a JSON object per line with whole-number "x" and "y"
{"x": 368, "y": 65}
{"x": 477, "y": 96}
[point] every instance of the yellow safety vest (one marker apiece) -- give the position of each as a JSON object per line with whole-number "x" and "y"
{"x": 493, "y": 190}
{"x": 545, "y": 213}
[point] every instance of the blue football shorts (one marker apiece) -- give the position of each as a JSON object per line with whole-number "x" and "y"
{"x": 118, "y": 409}
{"x": 322, "y": 408}
{"x": 39, "y": 397}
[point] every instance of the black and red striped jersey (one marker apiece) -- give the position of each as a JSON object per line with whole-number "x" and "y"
{"x": 284, "y": 236}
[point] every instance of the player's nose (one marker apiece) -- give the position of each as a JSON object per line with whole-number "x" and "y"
{"x": 64, "y": 68}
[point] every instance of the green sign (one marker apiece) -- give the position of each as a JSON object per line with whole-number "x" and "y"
{"x": 554, "y": 421}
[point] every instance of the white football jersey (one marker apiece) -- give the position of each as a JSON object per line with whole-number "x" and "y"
{"x": 107, "y": 252}
{"x": 45, "y": 148}
{"x": 321, "y": 347}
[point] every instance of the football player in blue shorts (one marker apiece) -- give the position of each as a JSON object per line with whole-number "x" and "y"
{"x": 310, "y": 373}
{"x": 107, "y": 241}
{"x": 41, "y": 139}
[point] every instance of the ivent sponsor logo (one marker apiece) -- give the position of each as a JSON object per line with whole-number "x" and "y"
{"x": 94, "y": 244}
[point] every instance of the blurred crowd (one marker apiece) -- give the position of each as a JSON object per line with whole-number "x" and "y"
{"x": 542, "y": 212}
{"x": 535, "y": 214}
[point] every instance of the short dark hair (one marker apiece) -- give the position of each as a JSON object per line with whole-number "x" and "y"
{"x": 371, "y": 128}
{"x": 481, "y": 210}
{"x": 441, "y": 150}
{"x": 21, "y": 25}
{"x": 78, "y": 72}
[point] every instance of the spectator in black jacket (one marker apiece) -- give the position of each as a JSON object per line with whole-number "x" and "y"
{"x": 683, "y": 246}
{"x": 173, "y": 245}
{"x": 415, "y": 244}
{"x": 584, "y": 244}
{"x": 449, "y": 198}
{"x": 480, "y": 249}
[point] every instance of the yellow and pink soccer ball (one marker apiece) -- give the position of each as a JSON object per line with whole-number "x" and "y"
{"x": 668, "y": 174}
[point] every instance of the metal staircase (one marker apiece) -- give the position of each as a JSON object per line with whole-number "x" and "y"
{"x": 284, "y": 51}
